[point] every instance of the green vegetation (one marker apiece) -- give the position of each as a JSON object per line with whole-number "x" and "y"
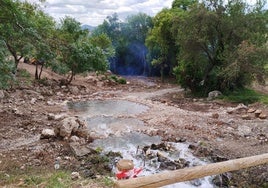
{"x": 246, "y": 96}
{"x": 42, "y": 178}
{"x": 208, "y": 45}
{"x": 117, "y": 79}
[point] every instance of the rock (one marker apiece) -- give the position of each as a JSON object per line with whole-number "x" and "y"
{"x": 214, "y": 94}
{"x": 81, "y": 150}
{"x": 50, "y": 103}
{"x": 2, "y": 94}
{"x": 41, "y": 97}
{"x": 262, "y": 116}
{"x": 196, "y": 182}
{"x": 215, "y": 115}
{"x": 74, "y": 139}
{"x": 193, "y": 146}
{"x": 57, "y": 117}
{"x": 47, "y": 133}
{"x": 75, "y": 176}
{"x": 33, "y": 100}
{"x": 68, "y": 125}
{"x": 51, "y": 116}
{"x": 251, "y": 110}
{"x": 257, "y": 113}
{"x": 74, "y": 90}
{"x": 246, "y": 117}
{"x": 244, "y": 130}
{"x": 222, "y": 180}
{"x": 240, "y": 108}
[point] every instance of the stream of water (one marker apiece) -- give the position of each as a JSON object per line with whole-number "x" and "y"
{"x": 118, "y": 134}
{"x": 127, "y": 145}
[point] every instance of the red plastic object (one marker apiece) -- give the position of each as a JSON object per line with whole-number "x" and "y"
{"x": 128, "y": 174}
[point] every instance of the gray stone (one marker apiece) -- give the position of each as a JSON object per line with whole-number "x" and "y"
{"x": 244, "y": 130}
{"x": 47, "y": 133}
{"x": 75, "y": 176}
{"x": 33, "y": 100}
{"x": 80, "y": 150}
{"x": 68, "y": 126}
{"x": 2, "y": 94}
{"x": 74, "y": 90}
{"x": 74, "y": 139}
{"x": 214, "y": 94}
{"x": 262, "y": 116}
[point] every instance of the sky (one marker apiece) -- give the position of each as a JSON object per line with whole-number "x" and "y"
{"x": 93, "y": 12}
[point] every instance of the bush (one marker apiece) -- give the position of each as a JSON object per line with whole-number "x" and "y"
{"x": 6, "y": 74}
{"x": 246, "y": 96}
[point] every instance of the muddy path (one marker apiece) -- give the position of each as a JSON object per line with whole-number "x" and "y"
{"x": 218, "y": 130}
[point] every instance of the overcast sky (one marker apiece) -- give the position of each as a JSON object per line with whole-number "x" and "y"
{"x": 93, "y": 12}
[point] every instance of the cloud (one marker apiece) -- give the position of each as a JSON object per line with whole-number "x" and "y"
{"x": 93, "y": 12}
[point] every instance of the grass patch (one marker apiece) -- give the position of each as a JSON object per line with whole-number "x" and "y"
{"x": 245, "y": 96}
{"x": 36, "y": 178}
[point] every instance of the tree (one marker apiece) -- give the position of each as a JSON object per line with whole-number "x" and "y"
{"x": 78, "y": 52}
{"x": 25, "y": 31}
{"x": 14, "y": 28}
{"x": 211, "y": 35}
{"x": 128, "y": 40}
{"x": 160, "y": 38}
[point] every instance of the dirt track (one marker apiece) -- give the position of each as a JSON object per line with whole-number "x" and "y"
{"x": 215, "y": 125}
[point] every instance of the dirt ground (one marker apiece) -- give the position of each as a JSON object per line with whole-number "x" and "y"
{"x": 218, "y": 130}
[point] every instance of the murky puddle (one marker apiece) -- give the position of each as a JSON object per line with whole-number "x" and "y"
{"x": 114, "y": 122}
{"x": 107, "y": 108}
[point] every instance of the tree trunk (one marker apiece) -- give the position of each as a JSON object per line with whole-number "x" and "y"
{"x": 36, "y": 71}
{"x": 41, "y": 70}
{"x": 71, "y": 78}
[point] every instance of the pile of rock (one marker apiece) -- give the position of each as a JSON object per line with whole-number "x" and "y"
{"x": 254, "y": 113}
{"x": 69, "y": 128}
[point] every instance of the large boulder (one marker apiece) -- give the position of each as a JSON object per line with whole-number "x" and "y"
{"x": 68, "y": 125}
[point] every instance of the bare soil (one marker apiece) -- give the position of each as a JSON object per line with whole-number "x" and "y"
{"x": 215, "y": 127}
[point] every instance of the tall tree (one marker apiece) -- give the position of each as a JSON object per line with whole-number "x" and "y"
{"x": 78, "y": 52}
{"x": 161, "y": 42}
{"x": 211, "y": 36}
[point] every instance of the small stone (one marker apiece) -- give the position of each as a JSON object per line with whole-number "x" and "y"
{"x": 262, "y": 116}
{"x": 50, "y": 103}
{"x": 246, "y": 117}
{"x": 74, "y": 139}
{"x": 47, "y": 133}
{"x": 75, "y": 176}
{"x": 51, "y": 117}
{"x": 258, "y": 113}
{"x": 251, "y": 110}
{"x": 33, "y": 100}
{"x": 2, "y": 94}
{"x": 41, "y": 97}
{"x": 215, "y": 115}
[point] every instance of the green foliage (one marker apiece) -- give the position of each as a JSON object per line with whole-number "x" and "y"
{"x": 6, "y": 68}
{"x": 60, "y": 179}
{"x": 33, "y": 180}
{"x": 122, "y": 81}
{"x": 246, "y": 96}
{"x": 128, "y": 40}
{"x": 117, "y": 79}
{"x": 225, "y": 42}
{"x": 59, "y": 68}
